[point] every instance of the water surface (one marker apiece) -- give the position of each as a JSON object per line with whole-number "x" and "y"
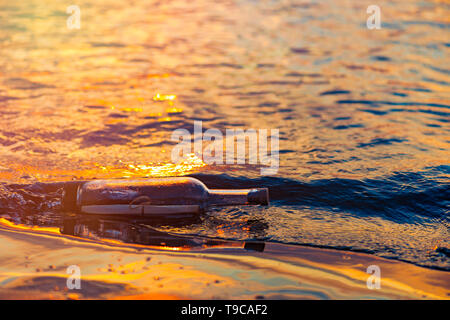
{"x": 363, "y": 114}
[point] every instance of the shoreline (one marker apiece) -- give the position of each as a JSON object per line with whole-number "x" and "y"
{"x": 33, "y": 264}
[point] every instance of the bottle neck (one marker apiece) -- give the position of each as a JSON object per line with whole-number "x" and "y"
{"x": 220, "y": 197}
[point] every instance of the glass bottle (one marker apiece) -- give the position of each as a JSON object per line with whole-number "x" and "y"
{"x": 153, "y": 197}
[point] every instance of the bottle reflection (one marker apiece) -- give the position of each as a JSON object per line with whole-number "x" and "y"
{"x": 141, "y": 232}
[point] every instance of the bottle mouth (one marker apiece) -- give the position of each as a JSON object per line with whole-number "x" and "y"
{"x": 258, "y": 196}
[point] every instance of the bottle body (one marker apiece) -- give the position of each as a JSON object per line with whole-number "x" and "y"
{"x": 148, "y": 197}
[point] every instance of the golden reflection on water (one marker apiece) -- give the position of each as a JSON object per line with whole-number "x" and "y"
{"x": 164, "y": 97}
{"x": 252, "y": 65}
{"x": 189, "y": 165}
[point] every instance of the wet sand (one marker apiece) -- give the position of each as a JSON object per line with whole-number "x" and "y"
{"x": 33, "y": 264}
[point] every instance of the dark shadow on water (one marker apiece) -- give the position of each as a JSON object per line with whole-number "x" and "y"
{"x": 143, "y": 232}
